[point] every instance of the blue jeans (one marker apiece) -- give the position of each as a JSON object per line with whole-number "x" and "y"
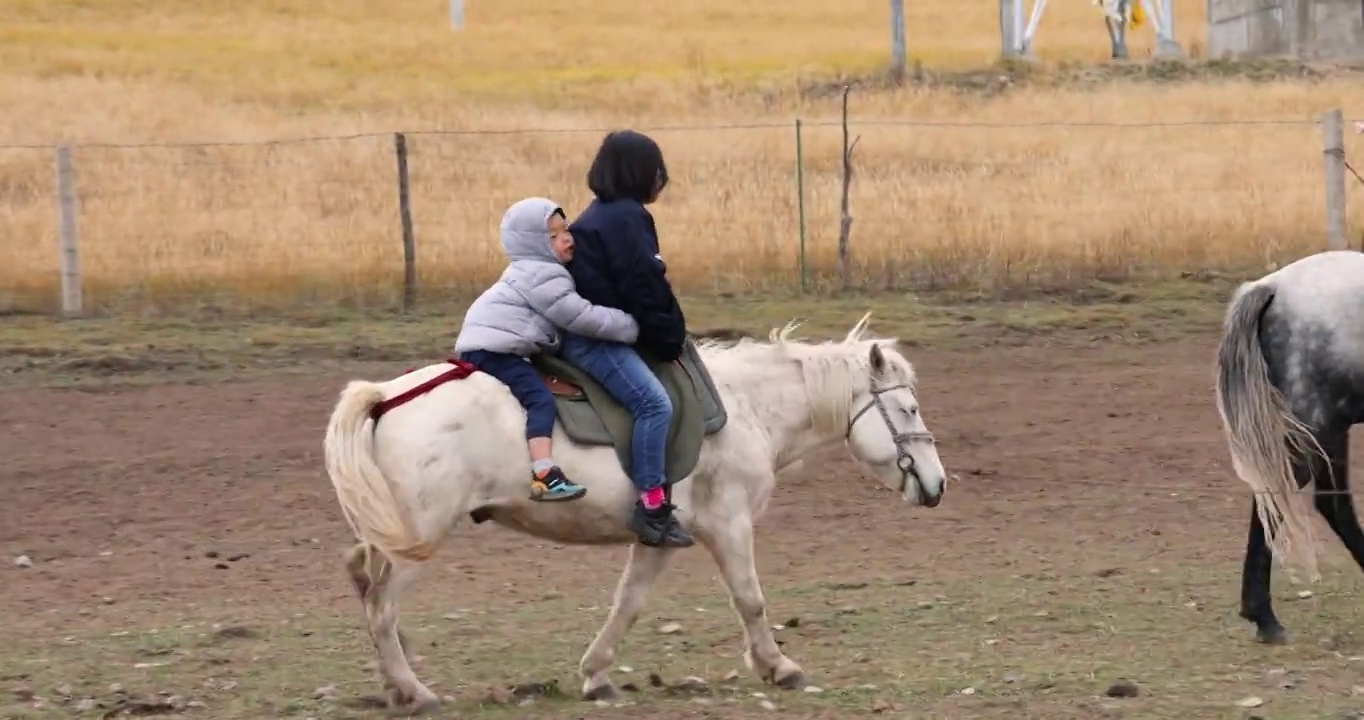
{"x": 625, "y": 375}
{"x": 525, "y": 385}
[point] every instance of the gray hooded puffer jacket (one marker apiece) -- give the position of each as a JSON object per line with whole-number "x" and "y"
{"x": 523, "y": 312}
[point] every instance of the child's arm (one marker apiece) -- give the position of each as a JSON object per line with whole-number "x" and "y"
{"x": 558, "y": 300}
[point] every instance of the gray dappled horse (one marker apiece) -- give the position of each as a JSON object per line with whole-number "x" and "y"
{"x": 1290, "y": 384}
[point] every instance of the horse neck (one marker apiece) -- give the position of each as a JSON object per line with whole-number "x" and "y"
{"x": 772, "y": 385}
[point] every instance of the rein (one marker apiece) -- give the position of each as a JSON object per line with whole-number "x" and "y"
{"x": 904, "y": 461}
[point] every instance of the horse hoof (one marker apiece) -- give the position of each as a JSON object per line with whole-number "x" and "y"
{"x": 1272, "y": 636}
{"x": 794, "y": 680}
{"x": 606, "y": 691}
{"x": 401, "y": 705}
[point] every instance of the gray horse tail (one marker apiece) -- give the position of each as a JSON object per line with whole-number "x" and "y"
{"x": 1262, "y": 432}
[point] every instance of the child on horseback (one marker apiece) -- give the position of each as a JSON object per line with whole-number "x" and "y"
{"x": 522, "y": 314}
{"x": 617, "y": 264}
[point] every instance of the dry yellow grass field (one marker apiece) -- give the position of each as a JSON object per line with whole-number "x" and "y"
{"x": 980, "y": 207}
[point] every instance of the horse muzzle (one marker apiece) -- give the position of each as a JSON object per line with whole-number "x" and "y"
{"x": 910, "y": 476}
{"x": 926, "y": 499}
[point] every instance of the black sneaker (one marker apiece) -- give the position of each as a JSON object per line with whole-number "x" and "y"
{"x": 657, "y": 528}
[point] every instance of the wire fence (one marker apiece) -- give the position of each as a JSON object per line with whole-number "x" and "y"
{"x": 401, "y": 219}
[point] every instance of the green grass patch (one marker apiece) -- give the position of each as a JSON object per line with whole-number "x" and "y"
{"x": 957, "y": 645}
{"x": 140, "y": 349}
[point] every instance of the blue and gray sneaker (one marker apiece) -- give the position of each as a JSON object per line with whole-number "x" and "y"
{"x": 554, "y": 486}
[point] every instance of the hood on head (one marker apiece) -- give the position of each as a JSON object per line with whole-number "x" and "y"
{"x": 525, "y": 229}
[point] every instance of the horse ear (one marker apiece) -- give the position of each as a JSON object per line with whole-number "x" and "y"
{"x": 878, "y": 359}
{"x": 855, "y": 333}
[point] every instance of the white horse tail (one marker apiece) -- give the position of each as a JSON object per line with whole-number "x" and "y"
{"x": 1262, "y": 431}
{"x": 366, "y": 496}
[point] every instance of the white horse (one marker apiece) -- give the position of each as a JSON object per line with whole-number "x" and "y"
{"x": 458, "y": 450}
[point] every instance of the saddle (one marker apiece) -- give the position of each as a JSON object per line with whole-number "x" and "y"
{"x": 590, "y": 416}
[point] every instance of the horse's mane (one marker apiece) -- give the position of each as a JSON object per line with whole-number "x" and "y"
{"x": 715, "y": 336}
{"x": 834, "y": 371}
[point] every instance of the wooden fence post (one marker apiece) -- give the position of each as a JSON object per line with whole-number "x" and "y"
{"x": 1333, "y": 154}
{"x": 800, "y": 207}
{"x": 72, "y": 304}
{"x": 845, "y": 219}
{"x": 405, "y": 216}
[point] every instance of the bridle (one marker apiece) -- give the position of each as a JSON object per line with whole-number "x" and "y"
{"x": 903, "y": 459}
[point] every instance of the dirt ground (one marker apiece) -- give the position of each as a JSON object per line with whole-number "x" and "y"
{"x": 1094, "y": 535}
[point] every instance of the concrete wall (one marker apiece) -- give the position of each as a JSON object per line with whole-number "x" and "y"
{"x": 1309, "y": 29}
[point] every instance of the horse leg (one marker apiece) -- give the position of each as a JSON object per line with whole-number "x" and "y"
{"x": 1333, "y": 498}
{"x": 641, "y": 572}
{"x": 380, "y": 583}
{"x": 1256, "y": 605}
{"x": 730, "y": 542}
{"x": 357, "y": 565}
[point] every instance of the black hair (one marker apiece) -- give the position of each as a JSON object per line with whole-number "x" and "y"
{"x": 628, "y": 165}
{"x": 560, "y": 212}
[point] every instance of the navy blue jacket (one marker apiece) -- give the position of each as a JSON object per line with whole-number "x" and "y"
{"x": 616, "y": 263}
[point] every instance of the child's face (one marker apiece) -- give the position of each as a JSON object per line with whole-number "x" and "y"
{"x": 560, "y": 240}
